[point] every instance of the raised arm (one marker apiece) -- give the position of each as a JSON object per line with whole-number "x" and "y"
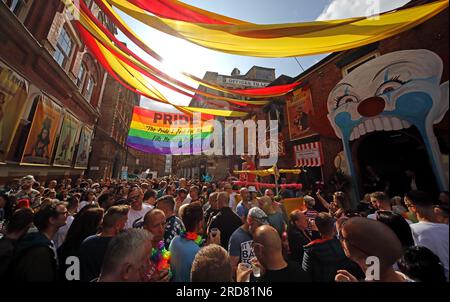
{"x": 322, "y": 200}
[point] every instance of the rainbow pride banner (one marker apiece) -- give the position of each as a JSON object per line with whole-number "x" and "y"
{"x": 167, "y": 133}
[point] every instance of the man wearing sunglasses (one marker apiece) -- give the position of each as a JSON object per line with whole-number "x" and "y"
{"x": 138, "y": 209}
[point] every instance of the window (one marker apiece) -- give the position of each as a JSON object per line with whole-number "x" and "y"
{"x": 15, "y": 5}
{"x": 80, "y": 77}
{"x": 89, "y": 88}
{"x": 63, "y": 48}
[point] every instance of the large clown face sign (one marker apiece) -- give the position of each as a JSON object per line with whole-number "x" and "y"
{"x": 392, "y": 92}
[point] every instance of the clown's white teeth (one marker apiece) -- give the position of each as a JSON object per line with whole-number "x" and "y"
{"x": 362, "y": 129}
{"x": 378, "y": 124}
{"x": 370, "y": 127}
{"x": 406, "y": 124}
{"x": 396, "y": 123}
{"x": 387, "y": 126}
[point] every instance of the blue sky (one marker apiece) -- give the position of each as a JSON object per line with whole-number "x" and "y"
{"x": 184, "y": 56}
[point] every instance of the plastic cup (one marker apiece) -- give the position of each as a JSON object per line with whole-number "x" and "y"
{"x": 256, "y": 269}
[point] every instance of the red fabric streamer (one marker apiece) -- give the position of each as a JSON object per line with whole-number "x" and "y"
{"x": 267, "y": 91}
{"x": 151, "y": 76}
{"x": 89, "y": 41}
{"x": 170, "y": 10}
{"x": 272, "y": 90}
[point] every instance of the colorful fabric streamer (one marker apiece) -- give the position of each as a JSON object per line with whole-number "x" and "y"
{"x": 177, "y": 10}
{"x": 266, "y": 92}
{"x": 134, "y": 81}
{"x": 289, "y": 40}
{"x": 88, "y": 20}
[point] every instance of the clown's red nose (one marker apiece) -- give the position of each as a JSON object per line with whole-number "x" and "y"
{"x": 371, "y": 107}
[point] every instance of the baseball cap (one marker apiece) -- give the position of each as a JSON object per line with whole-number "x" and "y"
{"x": 27, "y": 178}
{"x": 259, "y": 215}
{"x": 252, "y": 189}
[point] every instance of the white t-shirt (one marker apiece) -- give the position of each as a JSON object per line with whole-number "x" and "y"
{"x": 433, "y": 236}
{"x": 134, "y": 215}
{"x": 187, "y": 200}
{"x": 83, "y": 204}
{"x": 61, "y": 234}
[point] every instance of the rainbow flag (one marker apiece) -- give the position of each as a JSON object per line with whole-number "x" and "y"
{"x": 167, "y": 133}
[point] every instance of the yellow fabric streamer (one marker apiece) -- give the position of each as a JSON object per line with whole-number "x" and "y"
{"x": 136, "y": 80}
{"x": 271, "y": 171}
{"x": 290, "y": 40}
{"x": 94, "y": 30}
{"x": 100, "y": 36}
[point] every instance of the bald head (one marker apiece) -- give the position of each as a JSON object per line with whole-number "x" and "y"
{"x": 151, "y": 215}
{"x": 268, "y": 237}
{"x": 223, "y": 200}
{"x": 362, "y": 238}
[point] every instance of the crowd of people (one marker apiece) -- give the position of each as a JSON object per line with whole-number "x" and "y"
{"x": 179, "y": 230}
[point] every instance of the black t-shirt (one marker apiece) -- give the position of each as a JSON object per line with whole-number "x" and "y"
{"x": 227, "y": 222}
{"x": 92, "y": 252}
{"x": 292, "y": 273}
{"x": 297, "y": 240}
{"x": 209, "y": 213}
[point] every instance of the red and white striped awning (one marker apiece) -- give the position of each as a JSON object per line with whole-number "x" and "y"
{"x": 308, "y": 155}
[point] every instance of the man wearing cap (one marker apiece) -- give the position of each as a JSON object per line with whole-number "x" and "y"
{"x": 27, "y": 192}
{"x": 240, "y": 246}
{"x": 253, "y": 195}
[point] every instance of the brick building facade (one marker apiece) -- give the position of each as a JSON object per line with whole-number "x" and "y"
{"x": 38, "y": 44}
{"x": 109, "y": 151}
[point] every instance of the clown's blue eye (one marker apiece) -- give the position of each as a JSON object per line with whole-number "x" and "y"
{"x": 345, "y": 99}
{"x": 391, "y": 85}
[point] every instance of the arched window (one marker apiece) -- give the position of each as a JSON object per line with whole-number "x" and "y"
{"x": 81, "y": 75}
{"x": 89, "y": 88}
{"x": 87, "y": 78}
